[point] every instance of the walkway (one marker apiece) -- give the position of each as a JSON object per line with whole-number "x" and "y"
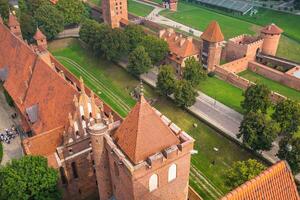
{"x": 155, "y": 17}
{"x": 14, "y": 149}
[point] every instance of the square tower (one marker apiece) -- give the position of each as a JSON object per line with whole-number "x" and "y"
{"x": 114, "y": 12}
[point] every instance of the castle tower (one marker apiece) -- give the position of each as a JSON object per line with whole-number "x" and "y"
{"x": 40, "y": 38}
{"x": 148, "y": 159}
{"x": 173, "y": 5}
{"x": 271, "y": 36}
{"x": 100, "y": 155}
{"x": 14, "y": 25}
{"x": 114, "y": 12}
{"x": 211, "y": 49}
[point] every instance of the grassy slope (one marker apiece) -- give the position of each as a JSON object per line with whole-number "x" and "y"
{"x": 206, "y": 138}
{"x": 199, "y": 17}
{"x": 223, "y": 92}
{"x": 273, "y": 85}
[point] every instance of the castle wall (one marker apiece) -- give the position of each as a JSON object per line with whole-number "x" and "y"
{"x": 236, "y": 66}
{"x": 275, "y": 75}
{"x": 239, "y": 47}
{"x": 270, "y": 43}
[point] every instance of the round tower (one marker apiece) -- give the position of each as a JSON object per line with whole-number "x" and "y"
{"x": 271, "y": 36}
{"x": 98, "y": 132}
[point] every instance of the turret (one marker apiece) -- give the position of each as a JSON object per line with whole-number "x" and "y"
{"x": 211, "y": 49}
{"x": 271, "y": 36}
{"x": 14, "y": 25}
{"x": 40, "y": 38}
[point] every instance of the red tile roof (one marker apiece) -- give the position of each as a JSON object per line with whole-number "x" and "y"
{"x": 39, "y": 35}
{"x": 275, "y": 183}
{"x": 143, "y": 133}
{"x": 12, "y": 21}
{"x": 213, "y": 33}
{"x": 179, "y": 46}
{"x": 272, "y": 29}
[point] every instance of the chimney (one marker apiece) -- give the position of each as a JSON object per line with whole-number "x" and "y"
{"x": 161, "y": 33}
{"x": 182, "y": 41}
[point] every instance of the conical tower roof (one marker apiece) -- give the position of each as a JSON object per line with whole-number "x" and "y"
{"x": 12, "y": 21}
{"x": 143, "y": 133}
{"x": 213, "y": 33}
{"x": 272, "y": 29}
{"x": 39, "y": 35}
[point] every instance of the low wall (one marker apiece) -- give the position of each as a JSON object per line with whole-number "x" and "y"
{"x": 236, "y": 66}
{"x": 241, "y": 82}
{"x": 283, "y": 78}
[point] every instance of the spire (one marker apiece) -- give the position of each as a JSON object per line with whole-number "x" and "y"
{"x": 39, "y": 35}
{"x": 1, "y": 20}
{"x": 12, "y": 20}
{"x": 82, "y": 88}
{"x": 75, "y": 100}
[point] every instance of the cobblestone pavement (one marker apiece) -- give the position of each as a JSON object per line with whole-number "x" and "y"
{"x": 14, "y": 149}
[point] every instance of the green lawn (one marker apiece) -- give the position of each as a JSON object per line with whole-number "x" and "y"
{"x": 199, "y": 17}
{"x": 121, "y": 83}
{"x": 223, "y": 92}
{"x": 273, "y": 85}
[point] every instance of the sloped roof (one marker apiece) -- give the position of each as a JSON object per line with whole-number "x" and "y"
{"x": 54, "y": 96}
{"x": 12, "y": 20}
{"x": 143, "y": 133}
{"x": 19, "y": 59}
{"x": 213, "y": 33}
{"x": 275, "y": 183}
{"x": 180, "y": 46}
{"x": 272, "y": 29}
{"x": 39, "y": 35}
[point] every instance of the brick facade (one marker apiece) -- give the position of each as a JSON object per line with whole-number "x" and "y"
{"x": 114, "y": 12}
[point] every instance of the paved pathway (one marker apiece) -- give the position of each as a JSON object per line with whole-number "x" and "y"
{"x": 72, "y": 32}
{"x": 155, "y": 17}
{"x": 14, "y": 149}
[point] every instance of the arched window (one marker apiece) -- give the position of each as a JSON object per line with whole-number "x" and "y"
{"x": 172, "y": 172}
{"x": 153, "y": 182}
{"x": 74, "y": 169}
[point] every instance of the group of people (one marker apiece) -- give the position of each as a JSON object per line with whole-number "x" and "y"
{"x": 8, "y": 134}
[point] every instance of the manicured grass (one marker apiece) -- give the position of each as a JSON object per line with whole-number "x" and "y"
{"x": 138, "y": 8}
{"x": 223, "y": 92}
{"x": 119, "y": 81}
{"x": 273, "y": 85}
{"x": 199, "y": 17}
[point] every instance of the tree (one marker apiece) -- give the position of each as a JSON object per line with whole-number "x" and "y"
{"x": 73, "y": 11}
{"x": 49, "y": 20}
{"x": 256, "y": 98}
{"x": 89, "y": 31}
{"x": 185, "y": 94}
{"x": 287, "y": 115}
{"x": 242, "y": 171}
{"x": 166, "y": 80}
{"x": 138, "y": 61}
{"x": 193, "y": 71}
{"x": 135, "y": 35}
{"x": 4, "y": 9}
{"x": 28, "y": 26}
{"x": 155, "y": 47}
{"x": 114, "y": 43}
{"x": 289, "y": 150}
{"x": 258, "y": 131}
{"x": 34, "y": 5}
{"x": 29, "y": 178}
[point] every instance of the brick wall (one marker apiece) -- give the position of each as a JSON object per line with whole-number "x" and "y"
{"x": 236, "y": 66}
{"x": 275, "y": 75}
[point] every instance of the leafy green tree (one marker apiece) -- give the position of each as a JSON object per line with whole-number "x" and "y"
{"x": 29, "y": 178}
{"x": 185, "y": 94}
{"x": 49, "y": 20}
{"x": 257, "y": 97}
{"x": 287, "y": 115}
{"x": 289, "y": 150}
{"x": 138, "y": 61}
{"x": 156, "y": 48}
{"x": 242, "y": 171}
{"x": 114, "y": 43}
{"x": 33, "y": 5}
{"x": 4, "y": 9}
{"x": 258, "y": 131}
{"x": 73, "y": 11}
{"x": 28, "y": 26}
{"x": 166, "y": 80}
{"x": 193, "y": 71}
{"x": 89, "y": 31}
{"x": 135, "y": 35}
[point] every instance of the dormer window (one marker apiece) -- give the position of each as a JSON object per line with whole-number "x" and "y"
{"x": 153, "y": 182}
